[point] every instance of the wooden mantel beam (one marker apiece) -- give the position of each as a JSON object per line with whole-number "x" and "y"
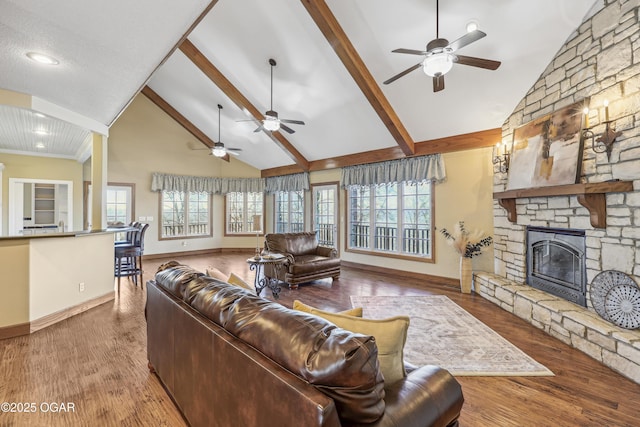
{"x": 337, "y": 38}
{"x": 239, "y": 99}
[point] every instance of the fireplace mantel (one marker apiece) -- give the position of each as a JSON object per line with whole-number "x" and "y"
{"x": 590, "y": 195}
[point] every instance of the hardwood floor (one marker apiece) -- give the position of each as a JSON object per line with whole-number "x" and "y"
{"x": 97, "y": 362}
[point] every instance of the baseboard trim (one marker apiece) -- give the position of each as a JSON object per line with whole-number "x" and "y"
{"x": 433, "y": 280}
{"x": 14, "y": 330}
{"x": 58, "y": 316}
{"x": 197, "y": 252}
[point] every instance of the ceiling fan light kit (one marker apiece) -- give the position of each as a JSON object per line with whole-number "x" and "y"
{"x": 438, "y": 64}
{"x": 271, "y": 122}
{"x": 218, "y": 151}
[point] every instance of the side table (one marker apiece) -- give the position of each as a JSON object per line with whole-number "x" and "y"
{"x": 261, "y": 281}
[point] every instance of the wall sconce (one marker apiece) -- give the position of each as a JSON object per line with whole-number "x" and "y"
{"x": 604, "y": 143}
{"x": 501, "y": 157}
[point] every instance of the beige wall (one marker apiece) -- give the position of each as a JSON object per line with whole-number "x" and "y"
{"x": 145, "y": 140}
{"x": 14, "y": 286}
{"x": 466, "y": 195}
{"x": 57, "y": 266}
{"x": 17, "y": 166}
{"x": 41, "y": 276}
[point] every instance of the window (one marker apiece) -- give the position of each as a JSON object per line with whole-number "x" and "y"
{"x": 392, "y": 219}
{"x": 118, "y": 204}
{"x": 289, "y": 211}
{"x": 241, "y": 207}
{"x": 185, "y": 214}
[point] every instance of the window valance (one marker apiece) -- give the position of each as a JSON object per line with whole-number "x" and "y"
{"x": 412, "y": 169}
{"x": 294, "y": 182}
{"x": 168, "y": 182}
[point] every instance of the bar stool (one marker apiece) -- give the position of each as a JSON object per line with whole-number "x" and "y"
{"x": 128, "y": 257}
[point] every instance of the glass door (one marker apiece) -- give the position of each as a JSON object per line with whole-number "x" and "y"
{"x": 325, "y": 214}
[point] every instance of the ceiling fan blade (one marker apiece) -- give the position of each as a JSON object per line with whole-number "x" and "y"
{"x": 233, "y": 151}
{"x": 407, "y": 71}
{"x": 466, "y": 40}
{"x": 286, "y": 128}
{"x": 294, "y": 122}
{"x": 410, "y": 51}
{"x": 438, "y": 83}
{"x": 258, "y": 129}
{"x": 478, "y": 62}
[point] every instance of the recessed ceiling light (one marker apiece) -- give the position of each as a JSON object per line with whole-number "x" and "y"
{"x": 42, "y": 58}
{"x": 472, "y": 26}
{"x": 40, "y": 145}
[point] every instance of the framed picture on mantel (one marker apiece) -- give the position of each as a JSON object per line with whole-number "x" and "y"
{"x": 548, "y": 151}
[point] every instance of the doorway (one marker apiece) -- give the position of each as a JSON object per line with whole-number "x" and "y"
{"x": 39, "y": 206}
{"x": 325, "y": 213}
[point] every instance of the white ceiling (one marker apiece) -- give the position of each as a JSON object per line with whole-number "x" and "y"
{"x": 108, "y": 50}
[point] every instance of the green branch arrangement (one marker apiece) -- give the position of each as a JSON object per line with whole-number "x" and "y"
{"x": 467, "y": 243}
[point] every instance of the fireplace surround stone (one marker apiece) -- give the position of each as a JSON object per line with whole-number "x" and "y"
{"x": 596, "y": 63}
{"x": 572, "y": 324}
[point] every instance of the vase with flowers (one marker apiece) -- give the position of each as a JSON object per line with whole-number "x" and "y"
{"x": 468, "y": 244}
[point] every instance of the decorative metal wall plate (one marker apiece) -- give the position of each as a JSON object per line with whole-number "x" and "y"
{"x": 623, "y": 306}
{"x": 602, "y": 284}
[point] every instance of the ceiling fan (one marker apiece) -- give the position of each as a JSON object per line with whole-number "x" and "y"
{"x": 218, "y": 149}
{"x": 271, "y": 121}
{"x": 440, "y": 56}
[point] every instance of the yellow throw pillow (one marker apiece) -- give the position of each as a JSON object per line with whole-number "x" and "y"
{"x": 300, "y": 306}
{"x": 390, "y": 335}
{"x": 216, "y": 274}
{"x": 235, "y": 280}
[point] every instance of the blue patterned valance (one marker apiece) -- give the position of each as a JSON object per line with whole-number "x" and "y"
{"x": 412, "y": 169}
{"x": 168, "y": 182}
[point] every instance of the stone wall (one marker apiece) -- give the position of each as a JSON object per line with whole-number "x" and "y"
{"x": 600, "y": 61}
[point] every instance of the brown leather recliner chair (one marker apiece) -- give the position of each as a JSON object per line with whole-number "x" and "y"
{"x": 306, "y": 259}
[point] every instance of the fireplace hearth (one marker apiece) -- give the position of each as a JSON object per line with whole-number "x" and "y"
{"x": 556, "y": 262}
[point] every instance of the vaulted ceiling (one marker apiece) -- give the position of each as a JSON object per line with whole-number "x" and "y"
{"x": 332, "y": 57}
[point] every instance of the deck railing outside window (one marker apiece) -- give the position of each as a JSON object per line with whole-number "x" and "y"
{"x": 325, "y": 234}
{"x": 415, "y": 240}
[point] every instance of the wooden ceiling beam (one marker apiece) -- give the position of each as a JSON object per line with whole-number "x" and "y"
{"x": 337, "y": 38}
{"x": 239, "y": 99}
{"x": 467, "y": 141}
{"x": 182, "y": 120}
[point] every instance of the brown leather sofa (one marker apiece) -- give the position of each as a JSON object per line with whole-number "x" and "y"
{"x": 230, "y": 358}
{"x": 307, "y": 260}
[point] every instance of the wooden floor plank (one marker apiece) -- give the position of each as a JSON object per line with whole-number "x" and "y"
{"x": 97, "y": 361}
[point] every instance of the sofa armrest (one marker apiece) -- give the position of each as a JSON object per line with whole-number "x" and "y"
{"x": 327, "y": 252}
{"x": 428, "y": 396}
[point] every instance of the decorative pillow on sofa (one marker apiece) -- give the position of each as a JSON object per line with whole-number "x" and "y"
{"x": 216, "y": 274}
{"x": 235, "y": 280}
{"x": 300, "y": 306}
{"x": 390, "y": 335}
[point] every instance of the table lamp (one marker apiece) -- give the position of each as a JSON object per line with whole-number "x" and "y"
{"x": 257, "y": 227}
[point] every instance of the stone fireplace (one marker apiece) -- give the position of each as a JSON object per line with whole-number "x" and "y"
{"x": 556, "y": 262}
{"x": 599, "y": 62}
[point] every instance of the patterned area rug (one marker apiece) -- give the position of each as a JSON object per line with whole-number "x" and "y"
{"x": 444, "y": 334}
